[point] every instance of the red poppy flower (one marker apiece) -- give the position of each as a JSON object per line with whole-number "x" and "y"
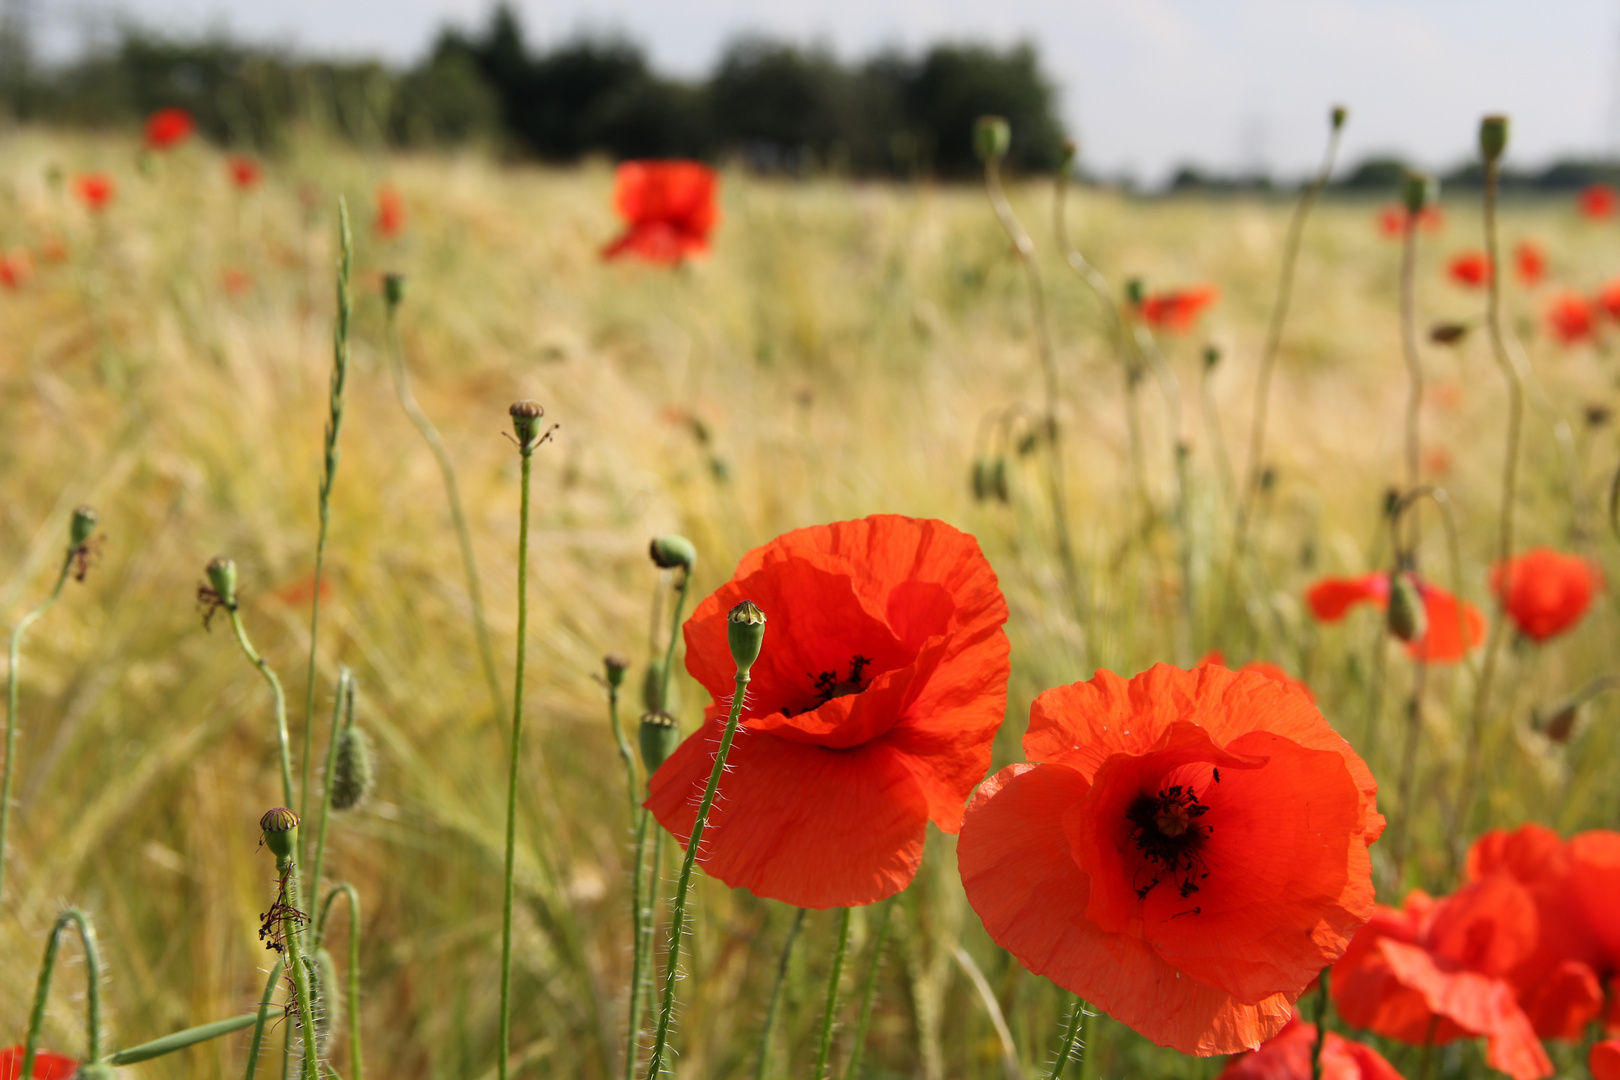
{"x": 1448, "y": 618}
{"x": 1177, "y": 311}
{"x": 1435, "y": 971}
{"x": 1598, "y": 202}
{"x": 1471, "y": 269}
{"x": 1531, "y": 262}
{"x": 668, "y": 207}
{"x": 1392, "y": 220}
{"x": 236, "y": 282}
{"x": 1572, "y": 319}
{"x": 244, "y": 171}
{"x": 871, "y": 712}
{"x": 1189, "y": 852}
{"x": 47, "y": 1066}
{"x": 390, "y": 220}
{"x": 1545, "y": 591}
{"x": 15, "y": 269}
{"x": 168, "y": 128}
{"x": 1608, "y": 298}
{"x": 1287, "y": 1056}
{"x": 95, "y": 190}
{"x": 1264, "y": 667}
{"x": 1604, "y": 1061}
{"x": 1594, "y": 876}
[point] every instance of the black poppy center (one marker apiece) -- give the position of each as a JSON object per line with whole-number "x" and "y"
{"x": 1168, "y": 829}
{"x": 832, "y": 684}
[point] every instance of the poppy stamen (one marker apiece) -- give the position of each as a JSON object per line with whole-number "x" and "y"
{"x": 1167, "y": 830}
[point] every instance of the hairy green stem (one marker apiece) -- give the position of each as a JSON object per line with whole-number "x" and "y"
{"x": 1321, "y": 1024}
{"x": 852, "y": 1070}
{"x": 180, "y": 1040}
{"x": 830, "y": 1016}
{"x": 641, "y": 912}
{"x": 775, "y": 1002}
{"x": 348, "y": 891}
{"x": 42, "y": 988}
{"x": 342, "y": 714}
{"x": 1077, "y": 1017}
{"x": 674, "y": 635}
{"x": 264, "y": 1012}
{"x": 626, "y": 754}
{"x": 282, "y": 741}
{"x": 292, "y": 938}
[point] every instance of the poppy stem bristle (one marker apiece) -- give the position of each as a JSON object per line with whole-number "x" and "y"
{"x": 349, "y": 892}
{"x": 1066, "y": 1050}
{"x": 852, "y": 1070}
{"x": 830, "y": 1014}
{"x": 342, "y": 712}
{"x": 42, "y": 988}
{"x": 776, "y": 995}
{"x": 292, "y": 923}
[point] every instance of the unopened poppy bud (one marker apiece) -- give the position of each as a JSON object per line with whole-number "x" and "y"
{"x": 1493, "y": 137}
{"x": 983, "y": 482}
{"x": 353, "y": 775}
{"x": 659, "y": 737}
{"x": 616, "y": 665}
{"x": 84, "y": 523}
{"x": 745, "y": 630}
{"x": 1560, "y": 723}
{"x": 1406, "y": 618}
{"x": 655, "y": 697}
{"x": 668, "y": 552}
{"x": 998, "y": 480}
{"x": 1448, "y": 333}
{"x": 1212, "y": 357}
{"x": 526, "y": 417}
{"x": 222, "y": 576}
{"x": 1419, "y": 191}
{"x": 280, "y": 828}
{"x": 393, "y": 290}
{"x": 1338, "y": 116}
{"x": 992, "y": 138}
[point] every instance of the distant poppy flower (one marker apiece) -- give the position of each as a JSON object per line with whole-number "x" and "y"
{"x": 1392, "y": 220}
{"x": 1287, "y": 1056}
{"x": 236, "y": 282}
{"x": 1263, "y": 667}
{"x": 168, "y": 128}
{"x": 871, "y": 712}
{"x": 1435, "y": 970}
{"x": 95, "y": 190}
{"x": 1177, "y": 311}
{"x": 1531, "y": 262}
{"x": 302, "y": 591}
{"x": 1571, "y": 319}
{"x": 668, "y": 208}
{"x": 1437, "y": 461}
{"x": 1598, "y": 202}
{"x": 1608, "y": 298}
{"x": 1545, "y": 591}
{"x": 1471, "y": 269}
{"x": 47, "y": 1066}
{"x": 244, "y": 171}
{"x": 1444, "y": 394}
{"x": 15, "y": 269}
{"x": 1188, "y": 854}
{"x": 390, "y": 221}
{"x": 1449, "y": 620}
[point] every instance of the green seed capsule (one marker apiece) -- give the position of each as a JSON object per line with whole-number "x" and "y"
{"x": 745, "y": 630}
{"x": 616, "y": 664}
{"x": 352, "y": 774}
{"x": 526, "y": 417}
{"x": 668, "y": 552}
{"x": 84, "y": 523}
{"x": 222, "y": 576}
{"x": 1493, "y": 137}
{"x": 659, "y": 737}
{"x": 280, "y": 832}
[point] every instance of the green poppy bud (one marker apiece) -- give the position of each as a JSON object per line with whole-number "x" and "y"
{"x": 84, "y": 523}
{"x": 353, "y": 776}
{"x": 1493, "y": 137}
{"x": 653, "y": 697}
{"x": 1338, "y": 116}
{"x": 222, "y": 576}
{"x": 526, "y": 417}
{"x": 668, "y": 552}
{"x": 393, "y": 290}
{"x": 992, "y": 138}
{"x": 1419, "y": 191}
{"x": 745, "y": 629}
{"x": 616, "y": 665}
{"x": 280, "y": 832}
{"x": 1406, "y": 618}
{"x": 659, "y": 737}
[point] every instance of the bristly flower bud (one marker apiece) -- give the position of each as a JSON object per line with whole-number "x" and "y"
{"x": 1419, "y": 191}
{"x": 659, "y": 737}
{"x": 616, "y": 664}
{"x": 745, "y": 629}
{"x": 652, "y": 687}
{"x": 1407, "y": 620}
{"x": 280, "y": 827}
{"x": 526, "y": 417}
{"x": 1493, "y": 137}
{"x": 84, "y": 523}
{"x": 1448, "y": 333}
{"x": 668, "y": 552}
{"x": 222, "y": 576}
{"x": 992, "y": 138}
{"x": 1338, "y": 116}
{"x": 353, "y": 776}
{"x": 393, "y": 290}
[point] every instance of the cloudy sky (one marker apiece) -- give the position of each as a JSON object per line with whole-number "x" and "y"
{"x": 1145, "y": 84}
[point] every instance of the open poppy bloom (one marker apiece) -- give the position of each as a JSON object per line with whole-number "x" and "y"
{"x": 1436, "y": 971}
{"x": 1604, "y": 1060}
{"x": 1531, "y": 262}
{"x": 871, "y": 711}
{"x": 95, "y": 190}
{"x": 1454, "y": 626}
{"x": 47, "y": 1066}
{"x": 668, "y": 209}
{"x": 168, "y": 128}
{"x": 244, "y": 171}
{"x": 1264, "y": 667}
{"x": 1190, "y": 851}
{"x": 1177, "y": 311}
{"x": 1598, "y": 202}
{"x": 1471, "y": 269}
{"x": 1545, "y": 591}
{"x": 1572, "y": 319}
{"x": 1287, "y": 1056}
{"x": 390, "y": 220}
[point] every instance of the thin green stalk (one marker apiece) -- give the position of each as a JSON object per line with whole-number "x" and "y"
{"x": 12, "y": 692}
{"x": 292, "y": 938}
{"x": 180, "y": 1040}
{"x": 258, "y": 661}
{"x": 349, "y": 892}
{"x": 852, "y": 1070}
{"x": 334, "y": 424}
{"x": 626, "y": 754}
{"x": 42, "y": 989}
{"x": 776, "y": 994}
{"x": 1321, "y": 1024}
{"x": 642, "y": 914}
{"x": 342, "y": 706}
{"x": 674, "y": 634}
{"x": 831, "y": 1014}
{"x": 452, "y": 490}
{"x": 1088, "y": 1043}
{"x": 1077, "y": 1017}
{"x": 256, "y": 1045}
{"x": 677, "y": 926}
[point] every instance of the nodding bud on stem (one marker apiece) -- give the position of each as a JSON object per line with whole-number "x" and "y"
{"x": 998, "y": 480}
{"x": 668, "y": 552}
{"x": 353, "y": 776}
{"x": 616, "y": 665}
{"x": 280, "y": 828}
{"x": 393, "y": 290}
{"x": 1418, "y": 191}
{"x": 1338, "y": 116}
{"x": 222, "y": 577}
{"x": 84, "y": 523}
{"x": 992, "y": 138}
{"x": 1407, "y": 619}
{"x": 1493, "y": 137}
{"x": 526, "y": 417}
{"x": 745, "y": 629}
{"x": 659, "y": 737}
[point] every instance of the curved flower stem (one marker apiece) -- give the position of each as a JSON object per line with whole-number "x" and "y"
{"x": 258, "y": 661}
{"x": 992, "y": 1008}
{"x": 264, "y": 1014}
{"x": 674, "y": 635}
{"x": 641, "y": 912}
{"x": 626, "y": 754}
{"x": 12, "y": 692}
{"x": 452, "y": 491}
{"x": 42, "y": 989}
{"x": 852, "y": 1070}
{"x": 1321, "y": 1024}
{"x": 342, "y": 706}
{"x": 776, "y": 995}
{"x": 349, "y": 892}
{"x": 677, "y": 925}
{"x": 830, "y": 1016}
{"x": 298, "y": 964}
{"x": 1065, "y": 1054}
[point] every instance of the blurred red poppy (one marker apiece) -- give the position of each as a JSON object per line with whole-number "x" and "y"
{"x": 1177, "y": 311}
{"x": 168, "y": 128}
{"x": 1263, "y": 667}
{"x": 47, "y": 1066}
{"x": 1571, "y": 319}
{"x": 1392, "y": 220}
{"x": 1287, "y": 1056}
{"x": 1594, "y": 876}
{"x": 1608, "y": 298}
{"x": 871, "y": 712}
{"x": 303, "y": 591}
{"x": 244, "y": 171}
{"x": 668, "y": 208}
{"x": 1435, "y": 971}
{"x": 390, "y": 220}
{"x": 1471, "y": 269}
{"x": 1598, "y": 202}
{"x": 1604, "y": 1060}
{"x": 1157, "y": 861}
{"x": 15, "y": 268}
{"x": 1531, "y": 262}
{"x": 1449, "y": 620}
{"x": 1545, "y": 591}
{"x": 236, "y": 282}
{"x": 95, "y": 190}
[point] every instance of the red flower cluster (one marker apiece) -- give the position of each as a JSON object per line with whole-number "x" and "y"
{"x": 1598, "y": 202}
{"x": 1471, "y": 269}
{"x": 1392, "y": 220}
{"x": 244, "y": 171}
{"x": 95, "y": 190}
{"x": 47, "y": 1066}
{"x": 1179, "y": 310}
{"x": 1189, "y": 852}
{"x": 668, "y": 208}
{"x": 390, "y": 220}
{"x": 1545, "y": 591}
{"x": 1530, "y": 260}
{"x": 168, "y": 128}
{"x": 1287, "y": 1056}
{"x": 1454, "y": 626}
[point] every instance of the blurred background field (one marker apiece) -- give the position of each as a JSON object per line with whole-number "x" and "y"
{"x": 837, "y": 356}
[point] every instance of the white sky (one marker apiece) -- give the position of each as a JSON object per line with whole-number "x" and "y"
{"x": 1145, "y": 84}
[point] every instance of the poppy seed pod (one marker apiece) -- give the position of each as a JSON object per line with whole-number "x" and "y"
{"x": 84, "y": 523}
{"x": 745, "y": 630}
{"x": 526, "y": 417}
{"x": 222, "y": 576}
{"x": 393, "y": 290}
{"x": 1419, "y": 191}
{"x": 659, "y": 737}
{"x": 668, "y": 552}
{"x": 353, "y": 776}
{"x": 1493, "y": 137}
{"x": 992, "y": 138}
{"x": 616, "y": 664}
{"x": 1338, "y": 116}
{"x": 280, "y": 827}
{"x": 1406, "y": 618}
